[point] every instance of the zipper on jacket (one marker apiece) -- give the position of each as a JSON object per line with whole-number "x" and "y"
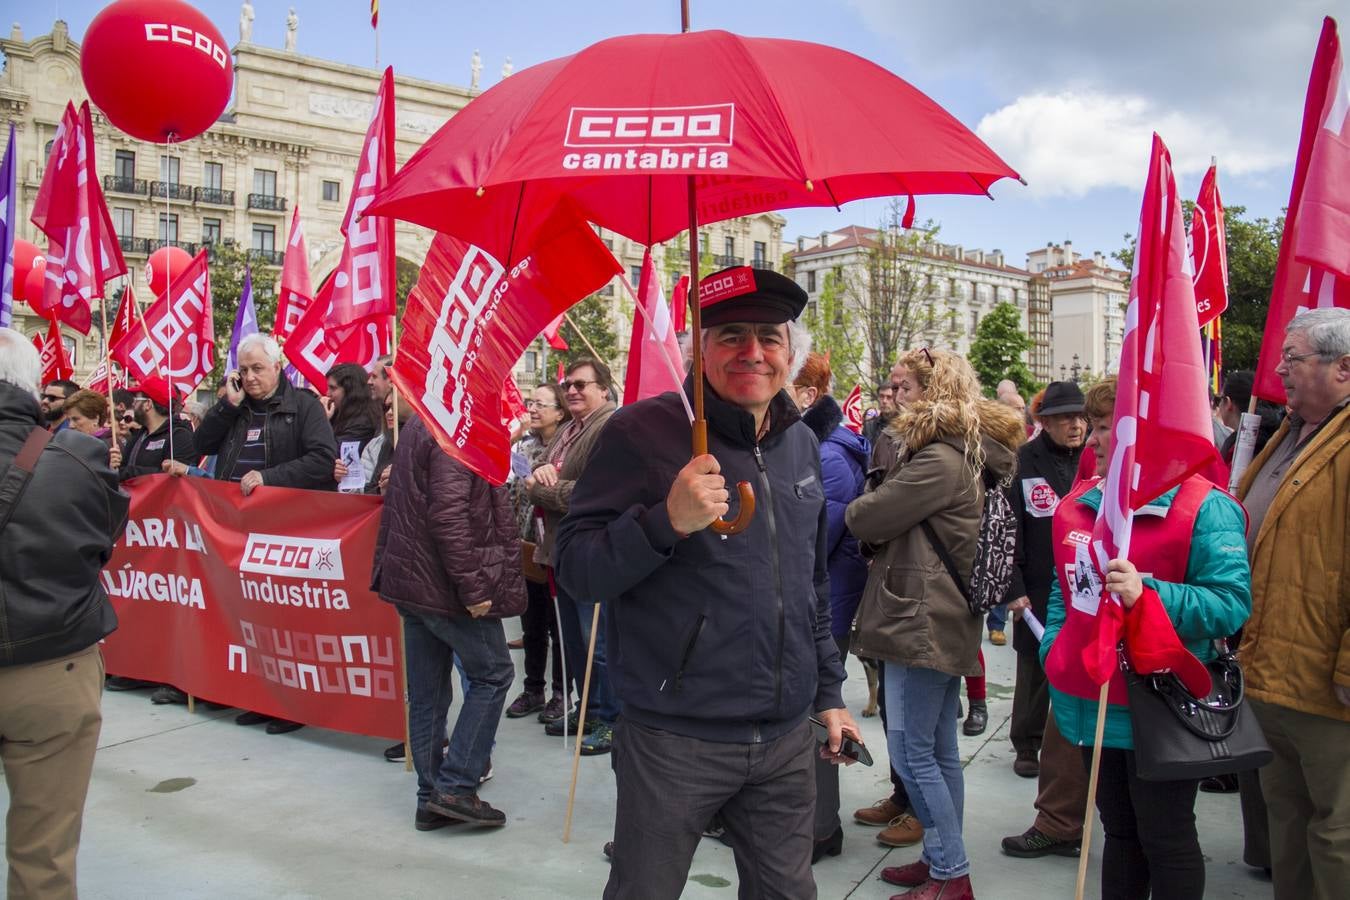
{"x": 688, "y": 650}
{"x": 777, "y": 576}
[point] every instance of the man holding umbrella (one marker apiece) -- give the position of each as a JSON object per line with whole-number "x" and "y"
{"x": 720, "y": 645}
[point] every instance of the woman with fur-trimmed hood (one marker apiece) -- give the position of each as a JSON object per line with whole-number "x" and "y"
{"x": 912, "y": 614}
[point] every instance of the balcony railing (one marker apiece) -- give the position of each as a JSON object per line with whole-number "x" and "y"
{"x": 268, "y": 257}
{"x": 212, "y": 195}
{"x": 723, "y": 262}
{"x": 761, "y": 263}
{"x": 187, "y": 246}
{"x": 124, "y": 185}
{"x": 269, "y": 202}
{"x": 132, "y": 244}
{"x": 170, "y": 189}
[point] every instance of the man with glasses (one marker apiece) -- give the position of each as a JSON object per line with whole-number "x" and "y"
{"x": 52, "y": 402}
{"x": 587, "y": 388}
{"x": 146, "y": 452}
{"x": 1296, "y": 646}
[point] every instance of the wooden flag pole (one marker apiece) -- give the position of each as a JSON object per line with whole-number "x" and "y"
{"x": 581, "y": 723}
{"x": 584, "y": 340}
{"x": 1091, "y": 810}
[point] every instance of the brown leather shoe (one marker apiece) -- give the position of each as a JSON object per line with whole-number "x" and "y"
{"x": 878, "y": 814}
{"x": 932, "y": 889}
{"x": 904, "y": 831}
{"x": 912, "y": 875}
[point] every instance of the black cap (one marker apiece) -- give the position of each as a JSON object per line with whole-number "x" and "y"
{"x": 1061, "y": 397}
{"x": 745, "y": 294}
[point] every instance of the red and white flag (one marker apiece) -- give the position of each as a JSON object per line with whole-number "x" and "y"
{"x": 654, "y": 361}
{"x": 513, "y": 404}
{"x": 363, "y": 283}
{"x": 177, "y": 340}
{"x": 311, "y": 353}
{"x": 468, "y": 320}
{"x": 853, "y": 411}
{"x": 99, "y": 381}
{"x": 82, "y": 249}
{"x": 55, "y": 363}
{"x": 555, "y": 340}
{"x": 1314, "y": 266}
{"x": 1161, "y": 431}
{"x": 1209, "y": 250}
{"x": 296, "y": 291}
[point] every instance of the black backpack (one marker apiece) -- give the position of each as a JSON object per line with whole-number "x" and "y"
{"x": 992, "y": 572}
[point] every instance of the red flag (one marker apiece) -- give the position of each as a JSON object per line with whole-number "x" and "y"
{"x": 82, "y": 248}
{"x": 177, "y": 340}
{"x": 296, "y": 292}
{"x": 853, "y": 411}
{"x": 652, "y": 339}
{"x": 1209, "y": 250}
{"x": 374, "y": 13}
{"x": 99, "y": 381}
{"x": 555, "y": 340}
{"x": 1312, "y": 269}
{"x": 308, "y": 346}
{"x": 1161, "y": 431}
{"x": 468, "y": 320}
{"x": 128, "y": 318}
{"x": 363, "y": 283}
{"x": 679, "y": 303}
{"x": 55, "y": 363}
{"x": 562, "y": 373}
{"x": 513, "y": 404}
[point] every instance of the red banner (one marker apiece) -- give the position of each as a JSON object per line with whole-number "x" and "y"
{"x": 177, "y": 342}
{"x": 55, "y": 363}
{"x": 312, "y": 356}
{"x": 259, "y": 602}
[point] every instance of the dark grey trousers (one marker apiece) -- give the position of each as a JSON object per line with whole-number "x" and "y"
{"x": 1031, "y": 704}
{"x": 669, "y": 788}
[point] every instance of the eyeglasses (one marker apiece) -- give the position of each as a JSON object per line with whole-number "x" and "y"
{"x": 1290, "y": 358}
{"x": 53, "y": 398}
{"x": 128, "y": 418}
{"x": 535, "y": 404}
{"x": 578, "y": 385}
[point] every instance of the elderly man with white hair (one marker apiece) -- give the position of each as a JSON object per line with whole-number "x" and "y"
{"x": 719, "y": 646}
{"x": 60, "y": 513}
{"x": 1296, "y": 646}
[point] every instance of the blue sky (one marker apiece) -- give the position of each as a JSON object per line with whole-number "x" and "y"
{"x": 1066, "y": 91}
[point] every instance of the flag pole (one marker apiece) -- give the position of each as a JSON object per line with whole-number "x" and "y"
{"x": 107, "y": 367}
{"x": 1091, "y": 810}
{"x": 665, "y": 355}
{"x": 584, "y": 340}
{"x": 402, "y": 641}
{"x": 581, "y": 725}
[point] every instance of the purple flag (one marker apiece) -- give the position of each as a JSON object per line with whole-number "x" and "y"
{"x": 8, "y": 171}
{"x": 245, "y": 321}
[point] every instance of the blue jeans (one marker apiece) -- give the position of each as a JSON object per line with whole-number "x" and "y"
{"x": 997, "y": 617}
{"x": 433, "y": 642}
{"x": 921, "y": 707}
{"x": 576, "y": 634}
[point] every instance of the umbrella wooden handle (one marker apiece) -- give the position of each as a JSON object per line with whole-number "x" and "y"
{"x": 743, "y": 515}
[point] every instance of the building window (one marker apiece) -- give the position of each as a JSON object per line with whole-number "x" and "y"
{"x": 635, "y": 277}
{"x": 729, "y": 245}
{"x": 210, "y": 231}
{"x": 607, "y": 290}
{"x": 70, "y": 346}
{"x": 761, "y": 253}
{"x": 332, "y": 191}
{"x": 213, "y": 176}
{"x": 974, "y": 320}
{"x": 531, "y": 361}
{"x": 811, "y": 282}
{"x": 264, "y": 237}
{"x": 609, "y": 242}
{"x": 124, "y": 221}
{"x": 124, "y": 164}
{"x": 168, "y": 227}
{"x": 168, "y": 169}
{"x": 264, "y": 182}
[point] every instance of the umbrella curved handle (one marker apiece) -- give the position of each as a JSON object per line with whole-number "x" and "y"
{"x": 746, "y": 493}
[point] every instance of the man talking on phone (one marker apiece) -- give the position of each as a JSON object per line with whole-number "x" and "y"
{"x": 263, "y": 431}
{"x": 719, "y": 646}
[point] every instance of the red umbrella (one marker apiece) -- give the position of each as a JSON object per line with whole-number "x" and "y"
{"x": 650, "y": 134}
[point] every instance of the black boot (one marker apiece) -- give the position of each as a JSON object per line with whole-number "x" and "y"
{"x": 977, "y": 720}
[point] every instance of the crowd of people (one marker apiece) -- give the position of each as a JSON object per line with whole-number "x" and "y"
{"x": 717, "y": 659}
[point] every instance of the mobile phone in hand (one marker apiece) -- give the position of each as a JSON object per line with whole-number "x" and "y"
{"x": 847, "y": 746}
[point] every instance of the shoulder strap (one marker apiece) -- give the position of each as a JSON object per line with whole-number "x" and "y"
{"x": 20, "y": 472}
{"x": 946, "y": 558}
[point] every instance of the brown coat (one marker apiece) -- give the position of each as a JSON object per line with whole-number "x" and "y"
{"x": 1297, "y": 642}
{"x": 912, "y": 613}
{"x": 555, "y": 499}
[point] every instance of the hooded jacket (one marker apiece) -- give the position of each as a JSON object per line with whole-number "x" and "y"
{"x": 719, "y": 638}
{"x": 912, "y": 613}
{"x": 843, "y": 470}
{"x": 59, "y": 537}
{"x": 299, "y": 440}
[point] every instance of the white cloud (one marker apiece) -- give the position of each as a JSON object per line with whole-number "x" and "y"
{"x": 1072, "y": 142}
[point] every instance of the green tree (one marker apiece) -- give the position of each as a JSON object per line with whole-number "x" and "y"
{"x": 228, "y": 262}
{"x": 998, "y": 349}
{"x": 1253, "y": 250}
{"x": 828, "y": 321}
{"x": 592, "y": 317}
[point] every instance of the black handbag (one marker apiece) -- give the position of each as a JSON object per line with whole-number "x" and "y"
{"x": 1181, "y": 737}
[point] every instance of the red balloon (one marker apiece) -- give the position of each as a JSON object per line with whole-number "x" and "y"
{"x": 163, "y": 264}
{"x": 32, "y": 282}
{"x": 158, "y": 69}
{"x": 25, "y": 255}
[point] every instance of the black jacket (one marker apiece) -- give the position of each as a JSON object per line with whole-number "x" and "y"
{"x": 723, "y": 639}
{"x": 61, "y": 534}
{"x": 1045, "y": 473}
{"x": 299, "y": 441}
{"x": 144, "y": 453}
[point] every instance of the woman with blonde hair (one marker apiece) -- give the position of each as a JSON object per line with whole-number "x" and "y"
{"x": 954, "y": 445}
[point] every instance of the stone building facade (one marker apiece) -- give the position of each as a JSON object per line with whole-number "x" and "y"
{"x": 1088, "y": 300}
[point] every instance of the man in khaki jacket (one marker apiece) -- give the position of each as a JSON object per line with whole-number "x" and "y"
{"x": 1296, "y": 647}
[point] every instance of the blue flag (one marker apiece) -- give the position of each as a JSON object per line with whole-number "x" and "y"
{"x": 8, "y": 171}
{"x": 245, "y": 321}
